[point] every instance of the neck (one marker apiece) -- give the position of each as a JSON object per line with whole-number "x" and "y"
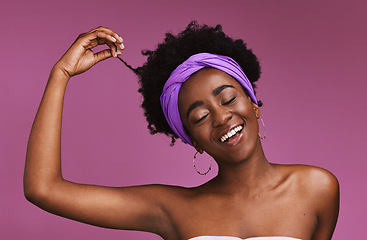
{"x": 253, "y": 174}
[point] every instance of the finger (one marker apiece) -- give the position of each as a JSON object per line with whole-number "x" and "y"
{"x": 102, "y": 38}
{"x": 113, "y": 48}
{"x": 121, "y": 46}
{"x": 99, "y": 36}
{"x": 118, "y": 52}
{"x": 102, "y": 55}
{"x": 118, "y": 38}
{"x": 112, "y": 45}
{"x": 111, "y": 32}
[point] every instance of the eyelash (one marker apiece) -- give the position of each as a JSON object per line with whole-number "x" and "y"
{"x": 202, "y": 118}
{"x": 229, "y": 101}
{"x": 225, "y": 103}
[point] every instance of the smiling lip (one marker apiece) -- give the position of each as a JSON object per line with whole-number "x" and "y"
{"x": 230, "y": 134}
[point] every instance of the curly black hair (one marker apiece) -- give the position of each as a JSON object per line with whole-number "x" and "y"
{"x": 174, "y": 51}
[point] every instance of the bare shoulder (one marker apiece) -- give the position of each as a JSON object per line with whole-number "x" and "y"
{"x": 316, "y": 179}
{"x": 319, "y": 185}
{"x": 319, "y": 190}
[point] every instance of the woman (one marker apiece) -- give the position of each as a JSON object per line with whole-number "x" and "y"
{"x": 197, "y": 86}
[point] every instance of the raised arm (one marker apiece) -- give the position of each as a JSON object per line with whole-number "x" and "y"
{"x": 138, "y": 208}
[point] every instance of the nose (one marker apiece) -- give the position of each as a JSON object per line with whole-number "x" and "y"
{"x": 221, "y": 116}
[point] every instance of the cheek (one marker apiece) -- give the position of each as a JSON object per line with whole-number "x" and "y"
{"x": 202, "y": 137}
{"x": 201, "y": 134}
{"x": 196, "y": 133}
{"x": 245, "y": 109}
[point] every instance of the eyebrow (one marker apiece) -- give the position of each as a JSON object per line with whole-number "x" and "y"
{"x": 218, "y": 90}
{"x": 193, "y": 106}
{"x": 215, "y": 92}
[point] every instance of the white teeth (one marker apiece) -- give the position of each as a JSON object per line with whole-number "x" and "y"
{"x": 230, "y": 133}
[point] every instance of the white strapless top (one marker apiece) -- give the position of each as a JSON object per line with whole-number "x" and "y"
{"x": 236, "y": 238}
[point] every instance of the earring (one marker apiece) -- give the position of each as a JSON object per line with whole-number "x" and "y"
{"x": 264, "y": 135}
{"x": 210, "y": 167}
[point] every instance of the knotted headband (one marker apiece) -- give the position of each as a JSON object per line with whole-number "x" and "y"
{"x": 171, "y": 89}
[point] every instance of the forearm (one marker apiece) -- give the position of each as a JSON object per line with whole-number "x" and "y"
{"x": 43, "y": 160}
{"x": 44, "y": 185}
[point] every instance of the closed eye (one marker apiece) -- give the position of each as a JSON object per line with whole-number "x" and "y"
{"x": 201, "y": 119}
{"x": 229, "y": 101}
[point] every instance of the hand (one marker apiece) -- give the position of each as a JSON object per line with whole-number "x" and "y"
{"x": 80, "y": 57}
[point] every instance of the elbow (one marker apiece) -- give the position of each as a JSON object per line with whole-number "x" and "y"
{"x": 38, "y": 194}
{"x": 34, "y": 194}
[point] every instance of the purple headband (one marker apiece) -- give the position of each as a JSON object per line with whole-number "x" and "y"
{"x": 171, "y": 89}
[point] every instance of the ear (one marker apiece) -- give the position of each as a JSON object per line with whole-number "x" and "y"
{"x": 256, "y": 109}
{"x": 197, "y": 147}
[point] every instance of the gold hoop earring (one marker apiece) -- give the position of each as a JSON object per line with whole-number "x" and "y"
{"x": 264, "y": 135}
{"x": 210, "y": 167}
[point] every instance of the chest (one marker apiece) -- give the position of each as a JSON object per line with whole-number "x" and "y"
{"x": 244, "y": 217}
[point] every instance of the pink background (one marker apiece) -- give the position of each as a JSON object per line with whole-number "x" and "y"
{"x": 313, "y": 57}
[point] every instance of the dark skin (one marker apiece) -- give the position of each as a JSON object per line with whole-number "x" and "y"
{"x": 249, "y": 197}
{"x": 259, "y": 192}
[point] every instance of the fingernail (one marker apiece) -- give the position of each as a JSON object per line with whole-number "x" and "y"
{"x": 122, "y": 45}
{"x": 114, "y": 54}
{"x": 120, "y": 38}
{"x": 114, "y": 39}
